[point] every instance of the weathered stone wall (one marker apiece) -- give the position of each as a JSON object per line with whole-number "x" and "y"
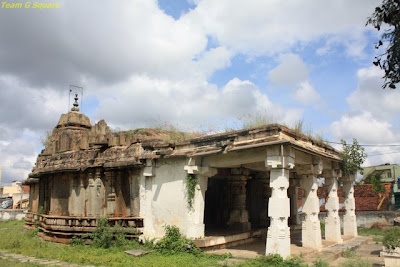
{"x": 366, "y": 219}
{"x": 6, "y": 215}
{"x": 365, "y": 197}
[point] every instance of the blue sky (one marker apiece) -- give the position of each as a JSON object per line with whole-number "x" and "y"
{"x": 195, "y": 64}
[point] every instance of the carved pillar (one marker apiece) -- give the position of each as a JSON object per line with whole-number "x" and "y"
{"x": 239, "y": 215}
{"x": 332, "y": 220}
{"x": 98, "y": 194}
{"x": 349, "y": 218}
{"x": 311, "y": 228}
{"x": 110, "y": 193}
{"x": 196, "y": 214}
{"x": 134, "y": 193}
{"x": 74, "y": 203}
{"x": 279, "y": 160}
{"x": 90, "y": 194}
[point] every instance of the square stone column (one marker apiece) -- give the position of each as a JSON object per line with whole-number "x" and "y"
{"x": 332, "y": 220}
{"x": 349, "y": 218}
{"x": 196, "y": 227}
{"x": 279, "y": 160}
{"x": 294, "y": 195}
{"x": 239, "y": 216}
{"x": 311, "y": 228}
{"x": 147, "y": 177}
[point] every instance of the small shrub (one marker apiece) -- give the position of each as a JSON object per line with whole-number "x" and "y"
{"x": 173, "y": 242}
{"x": 103, "y": 235}
{"x": 33, "y": 233}
{"x": 348, "y": 253}
{"x": 275, "y": 260}
{"x": 391, "y": 238}
{"x": 77, "y": 241}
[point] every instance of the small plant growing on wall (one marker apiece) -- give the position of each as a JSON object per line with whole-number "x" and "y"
{"x": 191, "y": 182}
{"x": 353, "y": 157}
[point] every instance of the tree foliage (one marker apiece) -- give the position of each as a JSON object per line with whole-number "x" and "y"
{"x": 388, "y": 13}
{"x": 352, "y": 157}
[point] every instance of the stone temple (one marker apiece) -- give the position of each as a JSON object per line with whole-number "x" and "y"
{"x": 246, "y": 184}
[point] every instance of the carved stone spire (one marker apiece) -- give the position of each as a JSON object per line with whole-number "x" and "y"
{"x": 76, "y": 105}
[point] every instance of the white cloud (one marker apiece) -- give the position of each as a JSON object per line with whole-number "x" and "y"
{"x": 370, "y": 96}
{"x": 268, "y": 27}
{"x": 144, "y": 101}
{"x": 305, "y": 94}
{"x": 290, "y": 71}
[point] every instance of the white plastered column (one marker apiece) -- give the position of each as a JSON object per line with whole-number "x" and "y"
{"x": 279, "y": 160}
{"x": 311, "y": 228}
{"x": 196, "y": 225}
{"x": 332, "y": 220}
{"x": 349, "y": 218}
{"x": 146, "y": 211}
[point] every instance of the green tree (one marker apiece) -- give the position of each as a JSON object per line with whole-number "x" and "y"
{"x": 353, "y": 157}
{"x": 389, "y": 14}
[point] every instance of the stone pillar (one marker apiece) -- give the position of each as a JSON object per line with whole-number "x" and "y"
{"x": 311, "y": 228}
{"x": 264, "y": 219}
{"x": 294, "y": 195}
{"x": 349, "y": 218}
{"x": 99, "y": 194}
{"x": 147, "y": 178}
{"x": 332, "y": 220}
{"x": 239, "y": 216}
{"x": 279, "y": 160}
{"x": 110, "y": 193}
{"x": 195, "y": 224}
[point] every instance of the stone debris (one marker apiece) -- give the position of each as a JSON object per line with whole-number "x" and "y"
{"x": 46, "y": 262}
{"x": 138, "y": 252}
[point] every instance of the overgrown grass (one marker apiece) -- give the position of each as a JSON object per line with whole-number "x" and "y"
{"x": 27, "y": 243}
{"x": 274, "y": 260}
{"x": 15, "y": 263}
{"x": 377, "y": 233}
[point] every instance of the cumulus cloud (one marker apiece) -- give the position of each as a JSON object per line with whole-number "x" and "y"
{"x": 268, "y": 27}
{"x": 144, "y": 101}
{"x": 306, "y": 94}
{"x": 145, "y": 67}
{"x": 365, "y": 128}
{"x": 291, "y": 71}
{"x": 383, "y": 104}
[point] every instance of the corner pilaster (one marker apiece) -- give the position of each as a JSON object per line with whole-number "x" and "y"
{"x": 196, "y": 225}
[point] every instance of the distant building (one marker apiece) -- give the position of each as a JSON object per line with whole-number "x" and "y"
{"x": 16, "y": 191}
{"x": 388, "y": 173}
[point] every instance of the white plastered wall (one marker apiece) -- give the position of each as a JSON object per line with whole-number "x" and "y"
{"x": 163, "y": 197}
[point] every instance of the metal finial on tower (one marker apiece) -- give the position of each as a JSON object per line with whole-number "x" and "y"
{"x": 76, "y": 105}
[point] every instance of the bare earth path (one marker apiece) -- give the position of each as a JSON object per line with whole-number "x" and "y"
{"x": 26, "y": 259}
